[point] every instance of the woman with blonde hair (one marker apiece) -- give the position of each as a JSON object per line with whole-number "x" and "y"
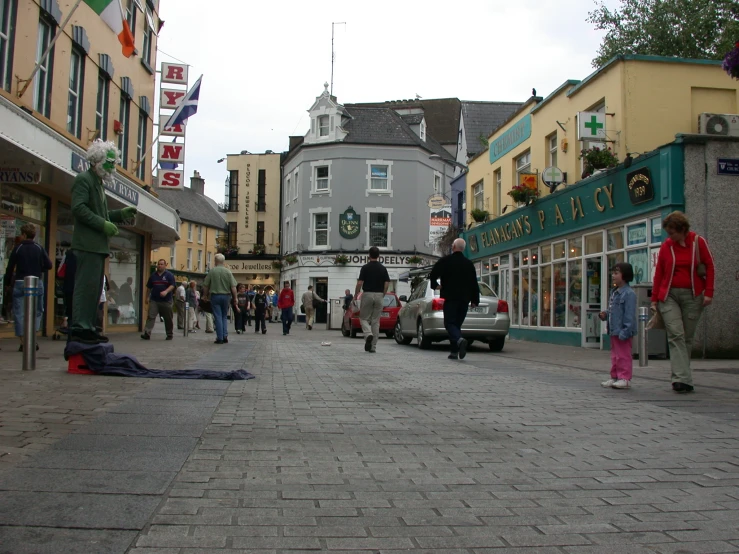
{"x": 682, "y": 288}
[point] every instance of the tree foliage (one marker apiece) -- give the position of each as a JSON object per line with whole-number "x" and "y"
{"x": 444, "y": 242}
{"x": 703, "y": 29}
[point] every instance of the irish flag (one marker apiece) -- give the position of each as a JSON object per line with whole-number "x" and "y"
{"x": 112, "y": 13}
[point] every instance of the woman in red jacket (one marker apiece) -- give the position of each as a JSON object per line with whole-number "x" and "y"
{"x": 683, "y": 286}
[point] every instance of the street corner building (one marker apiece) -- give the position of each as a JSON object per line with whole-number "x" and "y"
{"x": 673, "y": 132}
{"x": 85, "y": 88}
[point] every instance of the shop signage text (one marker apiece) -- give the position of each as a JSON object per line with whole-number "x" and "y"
{"x": 349, "y": 224}
{"x": 361, "y": 259}
{"x": 641, "y": 187}
{"x": 171, "y": 155}
{"x": 253, "y": 267}
{"x": 80, "y": 164}
{"x": 20, "y": 175}
{"x": 727, "y": 166}
{"x": 514, "y": 136}
{"x": 247, "y": 183}
{"x": 174, "y": 73}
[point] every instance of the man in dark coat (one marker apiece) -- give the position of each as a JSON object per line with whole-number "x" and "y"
{"x": 459, "y": 290}
{"x": 93, "y": 227}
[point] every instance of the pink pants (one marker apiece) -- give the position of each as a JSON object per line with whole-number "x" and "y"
{"x": 621, "y": 362}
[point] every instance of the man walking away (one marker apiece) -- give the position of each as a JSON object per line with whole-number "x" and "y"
{"x": 459, "y": 290}
{"x": 285, "y": 302}
{"x": 191, "y": 297}
{"x": 373, "y": 282}
{"x": 310, "y": 302}
{"x": 220, "y": 286}
{"x": 179, "y": 298}
{"x": 161, "y": 283}
{"x": 260, "y": 309}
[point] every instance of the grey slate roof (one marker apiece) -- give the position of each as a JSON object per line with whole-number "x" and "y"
{"x": 193, "y": 207}
{"x": 481, "y": 119}
{"x": 413, "y": 119}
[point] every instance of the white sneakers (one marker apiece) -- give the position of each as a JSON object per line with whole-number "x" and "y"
{"x": 616, "y": 384}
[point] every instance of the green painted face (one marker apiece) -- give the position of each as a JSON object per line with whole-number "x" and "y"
{"x": 109, "y": 164}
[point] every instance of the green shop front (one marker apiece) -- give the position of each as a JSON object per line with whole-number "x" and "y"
{"x": 551, "y": 259}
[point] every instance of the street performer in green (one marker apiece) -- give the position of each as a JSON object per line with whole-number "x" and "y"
{"x": 93, "y": 227}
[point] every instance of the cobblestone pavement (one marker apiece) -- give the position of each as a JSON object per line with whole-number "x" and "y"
{"x": 334, "y": 449}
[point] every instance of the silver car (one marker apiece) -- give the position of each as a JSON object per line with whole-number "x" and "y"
{"x": 422, "y": 318}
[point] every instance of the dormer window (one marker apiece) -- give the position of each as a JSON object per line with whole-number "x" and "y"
{"x": 423, "y": 129}
{"x": 323, "y": 126}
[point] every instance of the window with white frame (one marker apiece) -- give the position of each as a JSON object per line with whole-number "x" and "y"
{"x": 523, "y": 165}
{"x": 209, "y": 257}
{"x": 320, "y": 229}
{"x": 42, "y": 85}
{"x": 296, "y": 186}
{"x": 200, "y": 234}
{"x": 200, "y": 260}
{"x": 379, "y": 228}
{"x": 288, "y": 191}
{"x": 7, "y": 25}
{"x": 378, "y": 177}
{"x": 552, "y": 150}
{"x": 189, "y": 232}
{"x": 74, "y": 99}
{"x": 101, "y": 108}
{"x": 148, "y": 37}
{"x": 288, "y": 237}
{"x": 323, "y": 126}
{"x": 171, "y": 257}
{"x": 322, "y": 178}
{"x": 189, "y": 259}
{"x": 131, "y": 15}
{"x": 141, "y": 144}
{"x": 437, "y": 183}
{"x": 123, "y": 137}
{"x": 478, "y": 200}
{"x": 499, "y": 191}
{"x": 295, "y": 231}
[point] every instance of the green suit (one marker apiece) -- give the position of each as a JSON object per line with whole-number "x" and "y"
{"x": 91, "y": 246}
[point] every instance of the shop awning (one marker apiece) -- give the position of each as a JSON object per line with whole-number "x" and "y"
{"x": 27, "y": 143}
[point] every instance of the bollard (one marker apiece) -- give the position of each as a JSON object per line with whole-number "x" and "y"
{"x": 30, "y": 298}
{"x": 643, "y": 341}
{"x": 186, "y": 318}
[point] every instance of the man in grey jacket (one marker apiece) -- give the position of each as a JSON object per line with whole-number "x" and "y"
{"x": 309, "y": 300}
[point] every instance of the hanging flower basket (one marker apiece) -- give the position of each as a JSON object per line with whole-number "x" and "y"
{"x": 291, "y": 259}
{"x": 277, "y": 264}
{"x": 479, "y": 215}
{"x": 341, "y": 259}
{"x": 415, "y": 260}
{"x": 731, "y": 62}
{"x": 258, "y": 249}
{"x": 521, "y": 194}
{"x": 597, "y": 158}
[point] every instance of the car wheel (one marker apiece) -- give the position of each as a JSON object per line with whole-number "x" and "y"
{"x": 496, "y": 345}
{"x": 470, "y": 342}
{"x": 423, "y": 342}
{"x": 353, "y": 332}
{"x": 344, "y": 330}
{"x": 400, "y": 338}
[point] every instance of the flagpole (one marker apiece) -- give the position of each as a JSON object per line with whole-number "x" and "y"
{"x": 48, "y": 49}
{"x": 146, "y": 152}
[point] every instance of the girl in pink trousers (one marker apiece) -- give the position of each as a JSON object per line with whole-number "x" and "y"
{"x": 621, "y": 317}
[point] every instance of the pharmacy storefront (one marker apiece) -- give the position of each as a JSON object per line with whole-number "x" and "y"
{"x": 551, "y": 260}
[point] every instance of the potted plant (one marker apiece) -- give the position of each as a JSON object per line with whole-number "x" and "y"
{"x": 258, "y": 249}
{"x": 597, "y": 159}
{"x": 415, "y": 259}
{"x": 479, "y": 215}
{"x": 341, "y": 259}
{"x": 291, "y": 259}
{"x": 521, "y": 194}
{"x": 277, "y": 264}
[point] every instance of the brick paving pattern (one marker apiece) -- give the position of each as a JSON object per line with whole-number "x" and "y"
{"x": 334, "y": 449}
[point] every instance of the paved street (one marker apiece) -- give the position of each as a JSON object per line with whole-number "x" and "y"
{"x": 334, "y": 449}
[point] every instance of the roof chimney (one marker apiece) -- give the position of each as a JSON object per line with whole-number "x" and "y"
{"x": 197, "y": 183}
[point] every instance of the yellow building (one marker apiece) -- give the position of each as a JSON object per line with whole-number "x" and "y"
{"x": 202, "y": 225}
{"x": 85, "y": 88}
{"x": 252, "y": 241}
{"x": 646, "y": 101}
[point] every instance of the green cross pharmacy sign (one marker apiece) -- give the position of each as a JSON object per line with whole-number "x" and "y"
{"x": 591, "y": 126}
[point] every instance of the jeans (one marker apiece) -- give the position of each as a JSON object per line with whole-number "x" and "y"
{"x": 369, "y": 315}
{"x": 287, "y": 319}
{"x": 454, "y": 313}
{"x": 219, "y": 302}
{"x": 18, "y": 310}
{"x": 621, "y": 360}
{"x": 681, "y": 313}
{"x": 240, "y": 320}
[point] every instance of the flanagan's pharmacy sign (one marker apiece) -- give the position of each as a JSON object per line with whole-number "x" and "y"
{"x": 514, "y": 136}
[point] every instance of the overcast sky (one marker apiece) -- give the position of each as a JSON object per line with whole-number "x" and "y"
{"x": 265, "y": 62}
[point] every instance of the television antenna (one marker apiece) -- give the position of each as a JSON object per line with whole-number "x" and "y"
{"x": 333, "y": 56}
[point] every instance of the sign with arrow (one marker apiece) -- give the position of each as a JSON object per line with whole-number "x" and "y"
{"x": 727, "y": 166}
{"x": 591, "y": 126}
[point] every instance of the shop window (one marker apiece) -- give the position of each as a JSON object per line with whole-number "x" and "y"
{"x": 7, "y": 36}
{"x": 546, "y": 296}
{"x": 524, "y": 258}
{"x": 74, "y": 99}
{"x": 528, "y": 302}
{"x": 125, "y": 111}
{"x": 594, "y": 243}
{"x": 575, "y": 250}
{"x": 189, "y": 259}
{"x": 546, "y": 254}
{"x": 499, "y": 191}
{"x": 516, "y": 259}
{"x": 639, "y": 260}
{"x": 559, "y": 271}
{"x": 552, "y": 146}
{"x": 379, "y": 229}
{"x": 477, "y": 195}
{"x": 124, "y": 275}
{"x": 42, "y": 84}
{"x": 559, "y": 250}
{"x": 523, "y": 165}
{"x": 615, "y": 240}
{"x": 101, "y": 107}
{"x": 656, "y": 230}
{"x": 636, "y": 234}
{"x": 534, "y": 260}
{"x": 614, "y": 259}
{"x": 141, "y": 144}
{"x": 574, "y": 306}
{"x": 516, "y": 296}
{"x": 233, "y": 191}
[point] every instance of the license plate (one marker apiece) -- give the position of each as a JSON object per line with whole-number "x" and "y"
{"x": 478, "y": 310}
{"x": 384, "y": 314}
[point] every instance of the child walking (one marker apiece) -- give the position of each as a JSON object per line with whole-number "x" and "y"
{"x": 621, "y": 317}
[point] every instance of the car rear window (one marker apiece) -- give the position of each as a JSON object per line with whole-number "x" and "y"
{"x": 485, "y": 290}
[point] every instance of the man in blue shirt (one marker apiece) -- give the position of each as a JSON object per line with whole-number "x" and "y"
{"x": 275, "y": 309}
{"x": 161, "y": 283}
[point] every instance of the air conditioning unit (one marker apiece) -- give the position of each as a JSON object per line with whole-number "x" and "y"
{"x": 718, "y": 124}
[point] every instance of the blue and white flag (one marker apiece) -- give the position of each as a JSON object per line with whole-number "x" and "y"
{"x": 169, "y": 165}
{"x": 188, "y": 106}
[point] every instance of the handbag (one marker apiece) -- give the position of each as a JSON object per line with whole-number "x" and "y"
{"x": 302, "y": 309}
{"x": 700, "y": 268}
{"x": 656, "y": 321}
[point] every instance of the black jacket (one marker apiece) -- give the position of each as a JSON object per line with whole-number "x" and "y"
{"x": 458, "y": 278}
{"x": 27, "y": 259}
